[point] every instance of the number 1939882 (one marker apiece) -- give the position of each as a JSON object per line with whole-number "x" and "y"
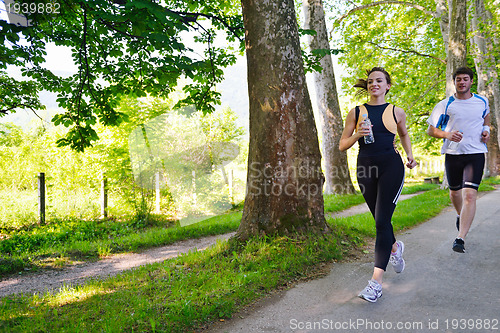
{"x": 33, "y": 8}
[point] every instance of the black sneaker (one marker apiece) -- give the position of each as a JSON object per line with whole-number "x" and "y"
{"x": 459, "y": 245}
{"x": 458, "y": 223}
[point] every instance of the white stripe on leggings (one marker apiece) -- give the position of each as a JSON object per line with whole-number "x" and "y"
{"x": 395, "y": 201}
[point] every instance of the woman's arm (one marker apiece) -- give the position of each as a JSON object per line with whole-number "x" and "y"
{"x": 348, "y": 139}
{"x": 404, "y": 137}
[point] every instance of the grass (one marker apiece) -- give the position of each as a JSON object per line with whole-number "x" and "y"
{"x": 34, "y": 246}
{"x": 408, "y": 213}
{"x": 63, "y": 241}
{"x": 177, "y": 295}
{"x": 337, "y": 203}
{"x": 75, "y": 240}
{"x": 20, "y": 207}
{"x": 190, "y": 291}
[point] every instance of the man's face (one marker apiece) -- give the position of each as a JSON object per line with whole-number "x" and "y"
{"x": 463, "y": 82}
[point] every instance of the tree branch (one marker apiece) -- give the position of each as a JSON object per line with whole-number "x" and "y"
{"x": 192, "y": 17}
{"x": 388, "y": 2}
{"x": 425, "y": 93}
{"x": 26, "y": 106}
{"x": 407, "y": 51}
{"x": 110, "y": 26}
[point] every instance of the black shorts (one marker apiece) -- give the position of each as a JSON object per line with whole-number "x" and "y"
{"x": 464, "y": 170}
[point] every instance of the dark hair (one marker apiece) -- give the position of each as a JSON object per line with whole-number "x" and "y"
{"x": 363, "y": 83}
{"x": 464, "y": 70}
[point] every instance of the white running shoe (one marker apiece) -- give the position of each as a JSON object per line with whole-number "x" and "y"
{"x": 396, "y": 259}
{"x": 372, "y": 292}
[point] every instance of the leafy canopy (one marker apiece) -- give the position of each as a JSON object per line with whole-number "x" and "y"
{"x": 120, "y": 47}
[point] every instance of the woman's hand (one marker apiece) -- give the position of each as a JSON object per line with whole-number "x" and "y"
{"x": 363, "y": 129}
{"x": 411, "y": 163}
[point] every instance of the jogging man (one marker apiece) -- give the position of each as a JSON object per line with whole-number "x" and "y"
{"x": 462, "y": 120}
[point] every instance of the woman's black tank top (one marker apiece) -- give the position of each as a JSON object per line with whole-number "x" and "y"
{"x": 384, "y": 139}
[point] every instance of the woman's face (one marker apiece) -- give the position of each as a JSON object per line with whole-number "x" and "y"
{"x": 377, "y": 84}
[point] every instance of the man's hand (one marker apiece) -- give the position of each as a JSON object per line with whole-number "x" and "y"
{"x": 455, "y": 136}
{"x": 485, "y": 137}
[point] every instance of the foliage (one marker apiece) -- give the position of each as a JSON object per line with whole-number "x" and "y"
{"x": 409, "y": 44}
{"x": 120, "y": 48}
{"x": 74, "y": 179}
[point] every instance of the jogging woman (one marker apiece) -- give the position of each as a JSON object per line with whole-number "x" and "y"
{"x": 380, "y": 169}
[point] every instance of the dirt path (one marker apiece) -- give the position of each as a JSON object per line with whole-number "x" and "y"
{"x": 49, "y": 280}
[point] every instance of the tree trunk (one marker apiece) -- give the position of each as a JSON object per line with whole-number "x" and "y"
{"x": 455, "y": 40}
{"x": 493, "y": 43}
{"x": 487, "y": 82}
{"x": 338, "y": 179}
{"x": 457, "y": 47}
{"x": 284, "y": 181}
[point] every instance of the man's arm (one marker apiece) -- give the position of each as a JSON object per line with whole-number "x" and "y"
{"x": 440, "y": 134}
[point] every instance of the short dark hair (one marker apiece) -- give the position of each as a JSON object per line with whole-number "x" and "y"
{"x": 464, "y": 70}
{"x": 363, "y": 83}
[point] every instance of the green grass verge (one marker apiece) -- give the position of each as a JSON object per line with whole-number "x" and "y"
{"x": 62, "y": 241}
{"x": 408, "y": 213}
{"x": 177, "y": 295}
{"x": 74, "y": 239}
{"x": 336, "y": 203}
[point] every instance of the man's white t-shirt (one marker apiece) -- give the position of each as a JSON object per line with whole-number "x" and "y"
{"x": 465, "y": 115}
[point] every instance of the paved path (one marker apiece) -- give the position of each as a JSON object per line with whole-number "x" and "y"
{"x": 439, "y": 291}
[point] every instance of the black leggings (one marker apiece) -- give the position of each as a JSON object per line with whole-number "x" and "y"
{"x": 381, "y": 180}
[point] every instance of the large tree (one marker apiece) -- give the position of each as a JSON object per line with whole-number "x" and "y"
{"x": 487, "y": 76}
{"x": 337, "y": 175}
{"x": 120, "y": 47}
{"x": 284, "y": 181}
{"x": 456, "y": 54}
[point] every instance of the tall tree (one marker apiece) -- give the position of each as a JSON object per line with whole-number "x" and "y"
{"x": 284, "y": 181}
{"x": 456, "y": 55}
{"x": 487, "y": 77}
{"x": 337, "y": 175}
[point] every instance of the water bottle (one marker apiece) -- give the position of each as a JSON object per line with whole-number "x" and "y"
{"x": 366, "y": 122}
{"x": 453, "y": 145}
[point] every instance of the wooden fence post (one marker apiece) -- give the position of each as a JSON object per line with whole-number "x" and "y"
{"x": 41, "y": 196}
{"x": 158, "y": 194}
{"x": 104, "y": 196}
{"x": 231, "y": 180}
{"x": 193, "y": 173}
